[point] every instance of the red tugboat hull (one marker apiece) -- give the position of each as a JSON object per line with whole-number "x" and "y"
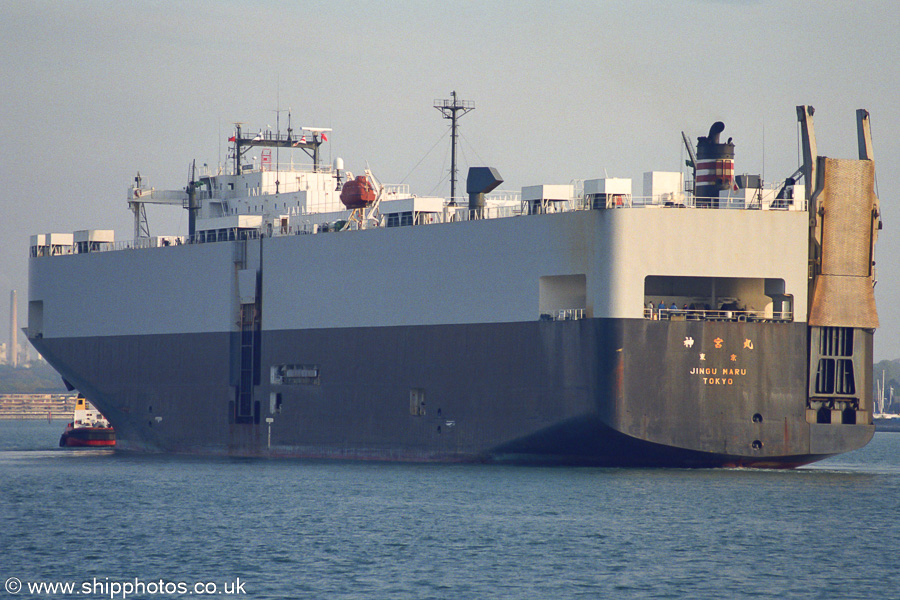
{"x": 86, "y": 437}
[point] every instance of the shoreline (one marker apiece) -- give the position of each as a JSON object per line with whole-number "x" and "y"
{"x": 37, "y": 406}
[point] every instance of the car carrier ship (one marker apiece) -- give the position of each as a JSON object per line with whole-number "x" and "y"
{"x": 711, "y": 321}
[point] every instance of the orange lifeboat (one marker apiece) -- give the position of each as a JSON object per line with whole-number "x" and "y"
{"x": 358, "y": 193}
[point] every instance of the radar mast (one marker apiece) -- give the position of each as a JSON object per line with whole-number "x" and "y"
{"x": 453, "y": 109}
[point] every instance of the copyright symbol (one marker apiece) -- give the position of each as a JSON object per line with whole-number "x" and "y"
{"x": 13, "y": 585}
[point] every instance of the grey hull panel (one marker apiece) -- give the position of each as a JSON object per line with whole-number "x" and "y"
{"x": 590, "y": 391}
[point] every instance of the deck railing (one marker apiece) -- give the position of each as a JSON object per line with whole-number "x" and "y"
{"x": 565, "y": 314}
{"x": 688, "y": 314}
{"x": 511, "y": 209}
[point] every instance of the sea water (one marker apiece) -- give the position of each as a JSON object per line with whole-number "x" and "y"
{"x": 118, "y": 525}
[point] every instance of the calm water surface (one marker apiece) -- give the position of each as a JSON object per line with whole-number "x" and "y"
{"x": 325, "y": 529}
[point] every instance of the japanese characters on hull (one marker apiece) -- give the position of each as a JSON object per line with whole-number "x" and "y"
{"x": 710, "y": 368}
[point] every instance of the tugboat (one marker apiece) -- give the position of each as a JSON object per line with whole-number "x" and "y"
{"x": 88, "y": 428}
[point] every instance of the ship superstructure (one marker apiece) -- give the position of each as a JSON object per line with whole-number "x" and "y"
{"x": 312, "y": 312}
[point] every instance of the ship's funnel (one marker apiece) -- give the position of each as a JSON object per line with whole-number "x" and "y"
{"x": 714, "y": 131}
{"x": 479, "y": 182}
{"x": 715, "y": 167}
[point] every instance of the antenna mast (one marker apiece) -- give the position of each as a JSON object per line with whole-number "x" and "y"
{"x": 243, "y": 143}
{"x": 450, "y": 108}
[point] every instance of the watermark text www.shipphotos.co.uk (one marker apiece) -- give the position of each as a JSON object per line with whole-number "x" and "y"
{"x": 113, "y": 588}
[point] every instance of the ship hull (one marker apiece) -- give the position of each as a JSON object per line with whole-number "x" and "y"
{"x": 629, "y": 392}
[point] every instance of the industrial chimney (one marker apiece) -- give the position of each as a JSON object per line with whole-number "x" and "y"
{"x": 12, "y": 352}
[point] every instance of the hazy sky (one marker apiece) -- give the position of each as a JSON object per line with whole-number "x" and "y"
{"x": 92, "y": 92}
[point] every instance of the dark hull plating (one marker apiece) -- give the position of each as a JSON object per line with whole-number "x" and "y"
{"x": 591, "y": 391}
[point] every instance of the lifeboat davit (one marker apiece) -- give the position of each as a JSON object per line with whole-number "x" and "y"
{"x": 358, "y": 193}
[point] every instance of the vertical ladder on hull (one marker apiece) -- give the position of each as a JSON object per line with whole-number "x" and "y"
{"x": 245, "y": 342}
{"x": 245, "y": 410}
